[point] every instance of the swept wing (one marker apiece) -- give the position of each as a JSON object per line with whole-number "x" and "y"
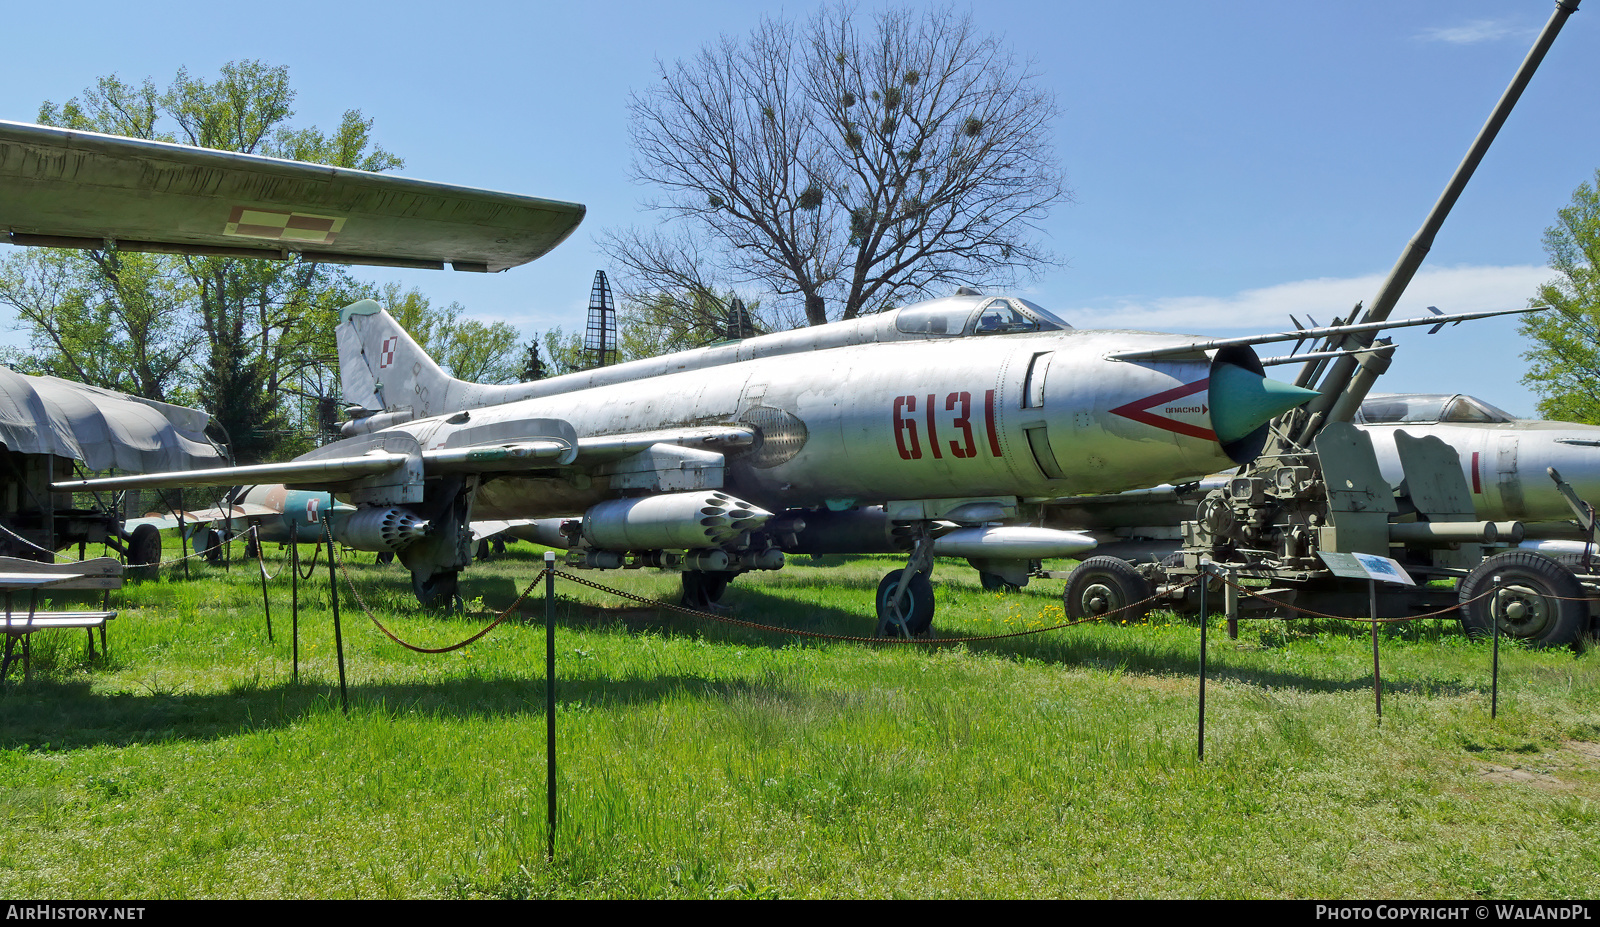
{"x": 68, "y": 189}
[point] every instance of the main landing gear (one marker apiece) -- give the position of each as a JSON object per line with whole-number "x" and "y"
{"x": 704, "y": 588}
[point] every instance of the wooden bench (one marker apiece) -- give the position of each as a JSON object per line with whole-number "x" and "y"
{"x": 30, "y": 576}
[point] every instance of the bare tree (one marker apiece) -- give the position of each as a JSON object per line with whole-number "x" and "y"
{"x": 831, "y": 164}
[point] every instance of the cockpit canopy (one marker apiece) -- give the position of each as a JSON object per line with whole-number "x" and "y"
{"x": 976, "y": 315}
{"x": 1429, "y": 408}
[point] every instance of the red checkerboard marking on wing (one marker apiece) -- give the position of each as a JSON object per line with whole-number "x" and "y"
{"x": 250, "y": 222}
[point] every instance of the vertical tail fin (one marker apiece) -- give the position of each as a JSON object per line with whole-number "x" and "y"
{"x": 382, "y": 368}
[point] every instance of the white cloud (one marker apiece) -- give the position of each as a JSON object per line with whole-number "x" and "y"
{"x": 1452, "y": 289}
{"x": 1479, "y": 30}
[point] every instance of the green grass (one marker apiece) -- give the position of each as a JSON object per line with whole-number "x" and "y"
{"x": 704, "y": 760}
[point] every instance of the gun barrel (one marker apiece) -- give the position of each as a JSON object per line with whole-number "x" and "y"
{"x": 1337, "y": 386}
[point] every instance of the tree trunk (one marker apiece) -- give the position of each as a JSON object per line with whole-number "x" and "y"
{"x": 816, "y": 310}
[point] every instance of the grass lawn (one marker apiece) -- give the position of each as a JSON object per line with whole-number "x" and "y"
{"x": 703, "y": 760}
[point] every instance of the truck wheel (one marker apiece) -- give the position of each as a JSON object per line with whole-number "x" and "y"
{"x": 1106, "y": 586}
{"x": 1539, "y": 602}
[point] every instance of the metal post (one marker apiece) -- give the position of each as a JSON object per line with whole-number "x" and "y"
{"x": 338, "y": 636}
{"x": 1230, "y": 599}
{"x": 183, "y": 536}
{"x": 294, "y": 594}
{"x": 1494, "y": 676}
{"x": 550, "y": 697}
{"x": 266, "y": 605}
{"x": 1205, "y": 577}
{"x": 1377, "y": 680}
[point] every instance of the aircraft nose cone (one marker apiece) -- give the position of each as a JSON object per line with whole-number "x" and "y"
{"x": 1242, "y": 401}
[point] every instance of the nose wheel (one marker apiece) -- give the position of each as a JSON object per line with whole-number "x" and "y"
{"x": 905, "y": 597}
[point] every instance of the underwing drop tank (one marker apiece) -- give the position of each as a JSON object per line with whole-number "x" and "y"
{"x": 1011, "y": 542}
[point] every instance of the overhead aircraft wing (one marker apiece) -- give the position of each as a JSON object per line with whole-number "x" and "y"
{"x": 67, "y": 189}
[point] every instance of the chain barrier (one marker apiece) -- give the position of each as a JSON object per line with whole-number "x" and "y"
{"x": 723, "y": 619}
{"x": 350, "y": 581}
{"x": 261, "y": 558}
{"x": 58, "y": 558}
{"x": 1306, "y": 611}
{"x": 316, "y": 551}
{"x": 54, "y": 556}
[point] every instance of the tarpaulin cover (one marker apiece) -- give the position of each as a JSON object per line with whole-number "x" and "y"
{"x": 102, "y": 428}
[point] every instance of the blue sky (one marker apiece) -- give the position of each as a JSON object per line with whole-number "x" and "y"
{"x": 1231, "y": 163}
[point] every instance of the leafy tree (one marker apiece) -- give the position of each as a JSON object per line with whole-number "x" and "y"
{"x": 667, "y": 321}
{"x": 565, "y": 352}
{"x": 251, "y": 325}
{"x": 1565, "y": 359}
{"x": 842, "y": 168}
{"x": 107, "y": 318}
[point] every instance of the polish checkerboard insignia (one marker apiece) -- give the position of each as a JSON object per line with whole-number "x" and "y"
{"x": 297, "y": 227}
{"x": 386, "y": 353}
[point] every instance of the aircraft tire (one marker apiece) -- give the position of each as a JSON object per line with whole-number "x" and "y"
{"x": 210, "y": 546}
{"x": 441, "y": 590}
{"x": 144, "y": 550}
{"x": 994, "y": 582}
{"x": 252, "y": 547}
{"x": 384, "y": 557}
{"x": 704, "y": 588}
{"x": 1102, "y": 585}
{"x": 919, "y": 610}
{"x": 1541, "y": 602}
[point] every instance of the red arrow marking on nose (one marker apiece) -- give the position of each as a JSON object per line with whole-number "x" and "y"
{"x": 1139, "y": 410}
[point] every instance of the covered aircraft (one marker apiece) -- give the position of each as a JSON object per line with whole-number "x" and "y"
{"x": 50, "y": 426}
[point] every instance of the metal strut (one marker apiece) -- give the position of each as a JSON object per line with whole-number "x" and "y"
{"x": 920, "y": 562}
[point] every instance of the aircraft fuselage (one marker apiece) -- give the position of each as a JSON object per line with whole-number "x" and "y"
{"x": 1027, "y": 415}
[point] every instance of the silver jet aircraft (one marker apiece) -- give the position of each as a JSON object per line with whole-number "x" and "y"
{"x": 949, "y": 413}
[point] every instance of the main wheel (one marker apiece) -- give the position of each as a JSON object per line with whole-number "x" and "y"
{"x": 252, "y": 547}
{"x": 144, "y": 550}
{"x": 384, "y": 557}
{"x": 1106, "y": 586}
{"x": 441, "y": 590}
{"x": 209, "y": 545}
{"x": 994, "y": 582}
{"x": 916, "y": 608}
{"x": 1539, "y": 601}
{"x": 704, "y": 588}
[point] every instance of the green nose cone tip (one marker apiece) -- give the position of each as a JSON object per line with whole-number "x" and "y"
{"x": 1242, "y": 401}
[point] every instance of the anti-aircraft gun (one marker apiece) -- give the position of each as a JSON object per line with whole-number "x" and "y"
{"x": 1316, "y": 488}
